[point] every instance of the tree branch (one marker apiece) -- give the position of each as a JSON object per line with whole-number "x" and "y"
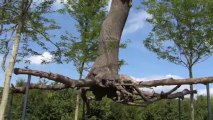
{"x": 171, "y": 81}
{"x": 122, "y": 89}
{"x": 57, "y": 78}
{"x": 88, "y": 82}
{"x": 159, "y": 97}
{"x": 38, "y": 86}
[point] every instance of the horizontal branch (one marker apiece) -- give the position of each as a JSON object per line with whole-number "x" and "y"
{"x": 40, "y": 87}
{"x": 87, "y": 82}
{"x": 57, "y": 78}
{"x": 122, "y": 89}
{"x": 171, "y": 81}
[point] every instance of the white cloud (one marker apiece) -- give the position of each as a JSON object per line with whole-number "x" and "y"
{"x": 136, "y": 21}
{"x": 203, "y": 91}
{"x": 157, "y": 77}
{"x": 37, "y": 59}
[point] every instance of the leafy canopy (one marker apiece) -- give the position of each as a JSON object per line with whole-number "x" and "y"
{"x": 182, "y": 30}
{"x": 88, "y": 16}
{"x": 36, "y": 28}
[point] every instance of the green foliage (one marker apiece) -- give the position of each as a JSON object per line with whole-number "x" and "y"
{"x": 182, "y": 30}
{"x": 56, "y": 105}
{"x": 20, "y": 82}
{"x": 201, "y": 111}
{"x": 36, "y": 27}
{"x": 46, "y": 105}
{"x": 82, "y": 50}
{"x": 60, "y": 105}
{"x": 88, "y": 15}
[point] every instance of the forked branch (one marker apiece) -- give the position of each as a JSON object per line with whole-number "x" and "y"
{"x": 122, "y": 89}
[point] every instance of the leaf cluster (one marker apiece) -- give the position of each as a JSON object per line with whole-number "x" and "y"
{"x": 182, "y": 30}
{"x": 88, "y": 16}
{"x": 36, "y": 26}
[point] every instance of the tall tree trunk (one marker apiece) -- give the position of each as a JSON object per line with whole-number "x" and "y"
{"x": 106, "y": 64}
{"x": 83, "y": 110}
{"x": 25, "y": 5}
{"x": 9, "y": 71}
{"x": 81, "y": 69}
{"x": 191, "y": 95}
{"x": 76, "y": 107}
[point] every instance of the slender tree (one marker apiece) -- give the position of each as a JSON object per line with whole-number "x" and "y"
{"x": 88, "y": 15}
{"x": 25, "y": 24}
{"x": 182, "y": 32}
{"x": 22, "y": 16}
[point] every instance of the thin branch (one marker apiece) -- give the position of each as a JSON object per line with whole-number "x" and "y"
{"x": 141, "y": 93}
{"x": 11, "y": 10}
{"x": 42, "y": 34}
{"x": 172, "y": 90}
{"x": 171, "y": 96}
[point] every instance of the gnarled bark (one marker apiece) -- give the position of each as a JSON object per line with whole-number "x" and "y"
{"x": 106, "y": 64}
{"x": 122, "y": 89}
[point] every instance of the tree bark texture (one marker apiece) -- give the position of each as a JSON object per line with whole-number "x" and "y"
{"x": 9, "y": 72}
{"x": 25, "y": 4}
{"x": 76, "y": 107}
{"x": 106, "y": 64}
{"x": 127, "y": 90}
{"x": 191, "y": 95}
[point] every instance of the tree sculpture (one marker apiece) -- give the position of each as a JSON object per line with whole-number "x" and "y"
{"x": 103, "y": 79}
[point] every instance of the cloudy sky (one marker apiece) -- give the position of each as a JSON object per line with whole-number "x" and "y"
{"x": 141, "y": 63}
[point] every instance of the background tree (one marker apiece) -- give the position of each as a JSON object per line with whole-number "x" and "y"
{"x": 58, "y": 105}
{"x": 83, "y": 50}
{"x": 24, "y": 24}
{"x": 182, "y": 32}
{"x": 44, "y": 105}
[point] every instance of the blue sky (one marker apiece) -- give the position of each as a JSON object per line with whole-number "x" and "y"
{"x": 141, "y": 63}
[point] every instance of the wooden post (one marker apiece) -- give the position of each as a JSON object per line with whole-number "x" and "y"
{"x": 179, "y": 109}
{"x": 26, "y": 97}
{"x": 10, "y": 106}
{"x": 208, "y": 102}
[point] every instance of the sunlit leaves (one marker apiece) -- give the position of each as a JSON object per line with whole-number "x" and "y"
{"x": 36, "y": 27}
{"x": 83, "y": 49}
{"x": 182, "y": 30}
